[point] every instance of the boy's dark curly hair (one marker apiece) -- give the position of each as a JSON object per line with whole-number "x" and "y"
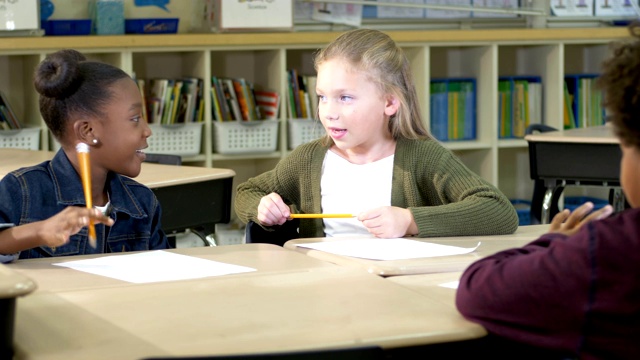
{"x": 620, "y": 83}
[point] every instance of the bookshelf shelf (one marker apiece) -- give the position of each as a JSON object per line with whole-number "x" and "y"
{"x": 264, "y": 58}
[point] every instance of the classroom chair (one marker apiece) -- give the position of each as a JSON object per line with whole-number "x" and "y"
{"x": 356, "y": 353}
{"x": 254, "y": 233}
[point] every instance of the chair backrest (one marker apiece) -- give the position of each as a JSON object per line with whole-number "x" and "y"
{"x": 254, "y": 233}
{"x": 165, "y": 159}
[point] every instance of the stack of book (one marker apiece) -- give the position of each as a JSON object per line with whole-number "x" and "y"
{"x": 519, "y": 105}
{"x": 234, "y": 99}
{"x": 8, "y": 119}
{"x": 582, "y": 102}
{"x": 173, "y": 101}
{"x": 303, "y": 100}
{"x": 453, "y": 109}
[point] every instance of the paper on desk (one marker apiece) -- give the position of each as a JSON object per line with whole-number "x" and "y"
{"x": 154, "y": 266}
{"x": 387, "y": 249}
{"x": 450, "y": 284}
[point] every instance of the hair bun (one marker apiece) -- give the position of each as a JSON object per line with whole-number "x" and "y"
{"x": 58, "y": 75}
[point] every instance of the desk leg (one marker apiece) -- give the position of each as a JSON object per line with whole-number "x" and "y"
{"x": 546, "y": 206}
{"x": 550, "y": 201}
{"x": 618, "y": 200}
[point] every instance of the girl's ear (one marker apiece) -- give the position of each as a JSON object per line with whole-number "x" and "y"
{"x": 83, "y": 131}
{"x": 392, "y": 105}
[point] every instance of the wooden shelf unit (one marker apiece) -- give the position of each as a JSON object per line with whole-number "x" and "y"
{"x": 262, "y": 58}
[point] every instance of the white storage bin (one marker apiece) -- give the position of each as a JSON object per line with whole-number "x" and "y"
{"x": 177, "y": 139}
{"x": 226, "y": 234}
{"x": 26, "y": 138}
{"x": 304, "y": 130}
{"x": 242, "y": 137}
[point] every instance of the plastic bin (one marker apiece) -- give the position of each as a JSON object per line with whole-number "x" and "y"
{"x": 523, "y": 208}
{"x": 26, "y": 138}
{"x": 572, "y": 202}
{"x": 151, "y": 26}
{"x": 303, "y": 130}
{"x": 225, "y": 234}
{"x": 66, "y": 27}
{"x": 177, "y": 139}
{"x": 245, "y": 137}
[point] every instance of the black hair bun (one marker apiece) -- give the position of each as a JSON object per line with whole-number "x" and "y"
{"x": 58, "y": 75}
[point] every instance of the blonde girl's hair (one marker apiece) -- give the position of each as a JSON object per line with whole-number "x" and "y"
{"x": 375, "y": 53}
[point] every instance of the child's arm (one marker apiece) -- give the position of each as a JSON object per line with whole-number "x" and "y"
{"x": 51, "y": 232}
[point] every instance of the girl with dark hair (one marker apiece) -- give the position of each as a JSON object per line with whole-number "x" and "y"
{"x": 42, "y": 207}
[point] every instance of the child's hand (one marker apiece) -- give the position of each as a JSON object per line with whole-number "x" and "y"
{"x": 568, "y": 223}
{"x": 272, "y": 210}
{"x": 389, "y": 222}
{"x": 57, "y": 230}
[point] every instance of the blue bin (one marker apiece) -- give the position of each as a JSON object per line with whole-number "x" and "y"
{"x": 151, "y": 26}
{"x": 66, "y": 27}
{"x": 572, "y": 202}
{"x": 523, "y": 208}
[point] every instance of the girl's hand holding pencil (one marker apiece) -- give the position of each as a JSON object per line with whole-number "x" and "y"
{"x": 57, "y": 230}
{"x": 273, "y": 211}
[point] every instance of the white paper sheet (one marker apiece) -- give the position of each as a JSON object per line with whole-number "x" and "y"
{"x": 450, "y": 284}
{"x": 387, "y": 249}
{"x": 154, "y": 266}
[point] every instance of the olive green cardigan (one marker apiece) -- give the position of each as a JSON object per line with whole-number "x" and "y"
{"x": 445, "y": 197}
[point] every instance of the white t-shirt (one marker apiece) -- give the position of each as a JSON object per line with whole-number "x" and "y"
{"x": 348, "y": 188}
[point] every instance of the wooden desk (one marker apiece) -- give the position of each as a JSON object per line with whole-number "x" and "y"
{"x": 588, "y": 156}
{"x": 192, "y": 197}
{"x": 262, "y": 257}
{"x": 12, "y": 286}
{"x": 489, "y": 245}
{"x": 266, "y": 311}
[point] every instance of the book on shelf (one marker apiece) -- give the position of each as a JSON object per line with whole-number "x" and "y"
{"x": 232, "y": 99}
{"x": 585, "y": 100}
{"x": 222, "y": 112}
{"x": 311, "y": 81}
{"x": 519, "y": 105}
{"x": 172, "y": 101}
{"x": 268, "y": 101}
{"x": 8, "y": 118}
{"x": 453, "y": 109}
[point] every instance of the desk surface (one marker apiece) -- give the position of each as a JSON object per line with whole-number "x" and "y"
{"x": 14, "y": 284}
{"x": 259, "y": 312}
{"x": 489, "y": 245}
{"x": 591, "y": 135}
{"x": 429, "y": 285}
{"x": 152, "y": 175}
{"x": 262, "y": 257}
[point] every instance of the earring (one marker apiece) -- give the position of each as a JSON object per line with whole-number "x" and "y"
{"x": 95, "y": 141}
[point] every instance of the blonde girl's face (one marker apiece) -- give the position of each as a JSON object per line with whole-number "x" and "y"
{"x": 352, "y": 109}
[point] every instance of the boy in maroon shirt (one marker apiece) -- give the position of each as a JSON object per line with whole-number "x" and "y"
{"x": 576, "y": 290}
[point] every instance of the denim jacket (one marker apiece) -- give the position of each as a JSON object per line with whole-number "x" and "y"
{"x": 38, "y": 192}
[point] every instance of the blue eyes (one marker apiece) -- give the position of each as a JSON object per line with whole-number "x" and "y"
{"x": 344, "y": 98}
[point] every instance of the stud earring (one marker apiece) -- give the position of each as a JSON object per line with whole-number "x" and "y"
{"x": 95, "y": 141}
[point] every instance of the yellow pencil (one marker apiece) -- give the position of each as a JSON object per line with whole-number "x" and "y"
{"x": 85, "y": 174}
{"x": 320, "y": 216}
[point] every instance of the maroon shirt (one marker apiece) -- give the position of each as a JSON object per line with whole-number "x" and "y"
{"x": 577, "y": 294}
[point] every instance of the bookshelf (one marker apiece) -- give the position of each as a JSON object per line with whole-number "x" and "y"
{"x": 263, "y": 59}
